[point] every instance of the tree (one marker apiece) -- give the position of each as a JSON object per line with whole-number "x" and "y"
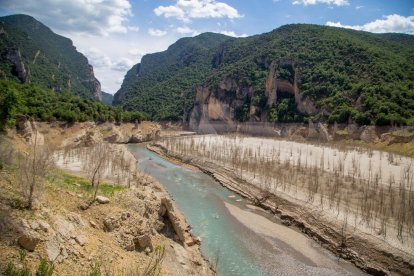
{"x": 33, "y": 168}
{"x": 96, "y": 163}
{"x": 9, "y": 102}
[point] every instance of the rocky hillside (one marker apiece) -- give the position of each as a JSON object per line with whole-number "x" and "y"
{"x": 31, "y": 53}
{"x": 162, "y": 84}
{"x": 131, "y": 228}
{"x": 292, "y": 74}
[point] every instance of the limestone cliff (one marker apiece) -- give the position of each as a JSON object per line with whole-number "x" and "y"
{"x": 222, "y": 106}
{"x": 31, "y": 52}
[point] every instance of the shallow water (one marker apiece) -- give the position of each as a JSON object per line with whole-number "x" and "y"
{"x": 235, "y": 248}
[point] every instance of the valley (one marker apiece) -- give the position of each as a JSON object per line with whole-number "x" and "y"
{"x": 289, "y": 151}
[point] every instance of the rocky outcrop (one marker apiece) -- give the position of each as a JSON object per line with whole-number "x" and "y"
{"x": 19, "y": 69}
{"x": 220, "y": 107}
{"x": 181, "y": 228}
{"x": 369, "y": 134}
{"x": 92, "y": 83}
{"x": 28, "y": 130}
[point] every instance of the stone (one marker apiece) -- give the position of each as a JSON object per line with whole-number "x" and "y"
{"x": 110, "y": 224}
{"x": 92, "y": 223}
{"x": 84, "y": 206}
{"x": 64, "y": 228}
{"x": 29, "y": 240}
{"x": 54, "y": 250}
{"x": 102, "y": 200}
{"x": 143, "y": 242}
{"x": 44, "y": 226}
{"x": 80, "y": 240}
{"x": 76, "y": 219}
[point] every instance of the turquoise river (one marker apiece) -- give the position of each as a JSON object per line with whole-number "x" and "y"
{"x": 233, "y": 232}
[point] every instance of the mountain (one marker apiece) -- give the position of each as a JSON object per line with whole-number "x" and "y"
{"x": 107, "y": 98}
{"x": 292, "y": 74}
{"x": 31, "y": 53}
{"x": 162, "y": 85}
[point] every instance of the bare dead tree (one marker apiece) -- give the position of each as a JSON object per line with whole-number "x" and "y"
{"x": 32, "y": 169}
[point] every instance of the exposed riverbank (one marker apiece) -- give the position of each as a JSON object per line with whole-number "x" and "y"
{"x": 365, "y": 250}
{"x": 120, "y": 236}
{"x": 238, "y": 248}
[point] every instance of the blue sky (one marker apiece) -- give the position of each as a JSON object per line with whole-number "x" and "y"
{"x": 115, "y": 34}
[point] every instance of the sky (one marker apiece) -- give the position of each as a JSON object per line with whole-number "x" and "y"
{"x": 115, "y": 34}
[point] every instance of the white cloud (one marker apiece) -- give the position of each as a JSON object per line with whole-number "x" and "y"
{"x": 359, "y": 7}
{"x": 156, "y": 32}
{"x": 186, "y": 30}
{"x": 123, "y": 65}
{"x": 393, "y": 23}
{"x": 100, "y": 60}
{"x": 133, "y": 28}
{"x": 97, "y": 58}
{"x": 231, "y": 33}
{"x": 77, "y": 16}
{"x": 186, "y": 10}
{"x": 328, "y": 2}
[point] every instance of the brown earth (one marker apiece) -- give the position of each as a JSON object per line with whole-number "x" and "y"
{"x": 121, "y": 237}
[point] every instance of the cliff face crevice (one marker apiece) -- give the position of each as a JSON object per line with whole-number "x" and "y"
{"x": 19, "y": 69}
{"x": 230, "y": 102}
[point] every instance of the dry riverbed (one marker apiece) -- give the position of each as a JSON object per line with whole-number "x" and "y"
{"x": 298, "y": 180}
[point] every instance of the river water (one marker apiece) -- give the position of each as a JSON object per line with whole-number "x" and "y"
{"x": 238, "y": 238}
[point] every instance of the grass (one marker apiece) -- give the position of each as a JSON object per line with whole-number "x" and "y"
{"x": 79, "y": 184}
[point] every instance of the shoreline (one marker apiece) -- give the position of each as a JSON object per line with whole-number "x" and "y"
{"x": 363, "y": 250}
{"x": 195, "y": 243}
{"x": 182, "y": 228}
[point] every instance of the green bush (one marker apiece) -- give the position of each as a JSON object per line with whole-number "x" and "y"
{"x": 47, "y": 105}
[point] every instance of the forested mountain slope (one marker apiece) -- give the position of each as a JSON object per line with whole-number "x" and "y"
{"x": 291, "y": 74}
{"x": 31, "y": 53}
{"x": 162, "y": 85}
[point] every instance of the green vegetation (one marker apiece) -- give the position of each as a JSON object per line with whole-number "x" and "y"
{"x": 51, "y": 60}
{"x": 45, "y": 268}
{"x": 348, "y": 74}
{"x": 78, "y": 184}
{"x": 46, "y": 105}
{"x": 162, "y": 85}
{"x": 107, "y": 98}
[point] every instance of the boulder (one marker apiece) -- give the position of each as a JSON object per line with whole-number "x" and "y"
{"x": 143, "y": 242}
{"x": 176, "y": 219}
{"x": 102, "y": 200}
{"x": 64, "y": 228}
{"x": 55, "y": 250}
{"x": 29, "y": 239}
